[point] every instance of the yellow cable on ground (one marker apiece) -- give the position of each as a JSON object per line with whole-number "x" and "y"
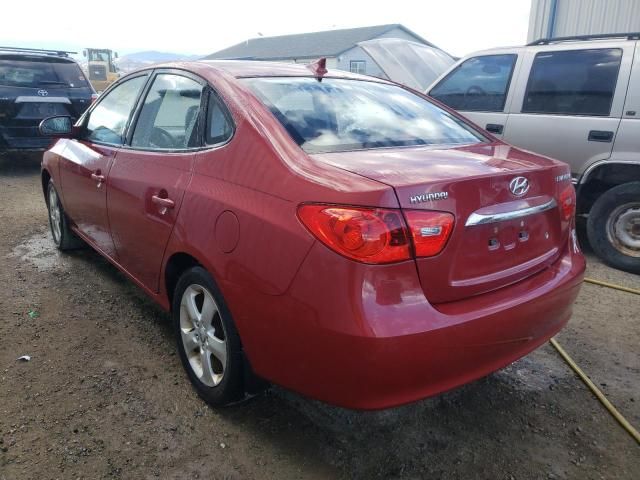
{"x": 611, "y": 285}
{"x": 607, "y": 404}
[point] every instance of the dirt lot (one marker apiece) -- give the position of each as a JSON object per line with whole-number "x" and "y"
{"x": 104, "y": 395}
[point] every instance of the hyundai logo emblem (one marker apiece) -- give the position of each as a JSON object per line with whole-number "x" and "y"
{"x": 519, "y": 186}
{"x": 43, "y": 93}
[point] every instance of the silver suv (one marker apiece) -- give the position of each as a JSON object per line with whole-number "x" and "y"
{"x": 576, "y": 99}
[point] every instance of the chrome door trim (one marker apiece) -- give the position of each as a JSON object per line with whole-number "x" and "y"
{"x": 482, "y": 219}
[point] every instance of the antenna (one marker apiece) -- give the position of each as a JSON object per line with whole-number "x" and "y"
{"x": 319, "y": 67}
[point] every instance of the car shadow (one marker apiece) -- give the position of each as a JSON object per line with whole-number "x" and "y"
{"x": 470, "y": 424}
{"x": 466, "y": 433}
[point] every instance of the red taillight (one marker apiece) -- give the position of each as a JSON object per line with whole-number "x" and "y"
{"x": 94, "y": 97}
{"x": 369, "y": 235}
{"x": 429, "y": 231}
{"x": 568, "y": 202}
{"x": 377, "y": 235}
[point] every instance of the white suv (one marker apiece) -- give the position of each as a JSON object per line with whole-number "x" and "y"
{"x": 575, "y": 99}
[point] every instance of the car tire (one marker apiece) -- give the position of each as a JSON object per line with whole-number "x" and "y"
{"x": 613, "y": 227}
{"x": 207, "y": 339}
{"x": 63, "y": 236}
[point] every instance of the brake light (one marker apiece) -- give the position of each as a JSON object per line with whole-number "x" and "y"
{"x": 94, "y": 97}
{"x": 429, "y": 231}
{"x": 377, "y": 235}
{"x": 568, "y": 202}
{"x": 369, "y": 235}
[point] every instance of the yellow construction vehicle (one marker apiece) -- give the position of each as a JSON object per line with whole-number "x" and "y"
{"x": 102, "y": 71}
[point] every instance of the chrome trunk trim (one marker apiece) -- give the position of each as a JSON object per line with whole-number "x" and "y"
{"x": 482, "y": 219}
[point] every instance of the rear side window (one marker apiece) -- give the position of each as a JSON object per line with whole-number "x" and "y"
{"x": 219, "y": 126}
{"x": 338, "y": 115}
{"x": 108, "y": 120}
{"x": 479, "y": 84}
{"x": 169, "y": 116}
{"x": 41, "y": 73}
{"x": 576, "y": 82}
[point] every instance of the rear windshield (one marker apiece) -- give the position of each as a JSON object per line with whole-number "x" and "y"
{"x": 40, "y": 73}
{"x": 338, "y": 115}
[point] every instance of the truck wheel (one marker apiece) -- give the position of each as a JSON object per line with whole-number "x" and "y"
{"x": 63, "y": 236}
{"x": 208, "y": 342}
{"x": 613, "y": 227}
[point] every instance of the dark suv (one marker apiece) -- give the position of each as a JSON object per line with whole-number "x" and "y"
{"x": 35, "y": 84}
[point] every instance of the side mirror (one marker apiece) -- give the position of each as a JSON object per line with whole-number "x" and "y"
{"x": 58, "y": 126}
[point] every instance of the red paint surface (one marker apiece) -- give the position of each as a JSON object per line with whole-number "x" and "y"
{"x": 361, "y": 336}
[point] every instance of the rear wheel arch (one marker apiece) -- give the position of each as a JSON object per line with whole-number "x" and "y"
{"x": 178, "y": 263}
{"x": 181, "y": 262}
{"x": 603, "y": 178}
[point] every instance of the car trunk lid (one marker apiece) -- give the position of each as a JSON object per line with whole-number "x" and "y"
{"x": 498, "y": 237}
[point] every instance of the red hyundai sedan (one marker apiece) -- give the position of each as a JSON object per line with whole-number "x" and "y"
{"x": 335, "y": 234}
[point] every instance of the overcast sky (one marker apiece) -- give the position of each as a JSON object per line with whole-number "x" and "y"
{"x": 201, "y": 27}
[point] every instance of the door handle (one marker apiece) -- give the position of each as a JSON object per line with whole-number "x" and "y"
{"x": 163, "y": 202}
{"x": 98, "y": 177}
{"x": 600, "y": 136}
{"x": 495, "y": 128}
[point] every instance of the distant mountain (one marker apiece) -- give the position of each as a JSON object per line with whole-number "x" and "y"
{"x": 136, "y": 60}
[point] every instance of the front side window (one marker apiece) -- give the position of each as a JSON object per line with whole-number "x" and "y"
{"x": 574, "y": 82}
{"x": 337, "y": 115}
{"x": 358, "y": 66}
{"x": 108, "y": 120}
{"x": 479, "y": 84}
{"x": 169, "y": 116}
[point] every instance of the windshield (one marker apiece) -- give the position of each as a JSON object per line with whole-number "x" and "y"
{"x": 44, "y": 73}
{"x": 338, "y": 115}
{"x": 99, "y": 56}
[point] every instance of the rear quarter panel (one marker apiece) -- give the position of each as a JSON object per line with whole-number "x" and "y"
{"x": 260, "y": 177}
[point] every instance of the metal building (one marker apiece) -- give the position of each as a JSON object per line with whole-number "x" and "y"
{"x": 563, "y": 18}
{"x": 340, "y": 47}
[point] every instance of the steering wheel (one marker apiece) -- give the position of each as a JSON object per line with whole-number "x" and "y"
{"x": 475, "y": 90}
{"x": 160, "y": 138}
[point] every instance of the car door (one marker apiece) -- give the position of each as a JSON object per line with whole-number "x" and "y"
{"x": 149, "y": 175}
{"x": 571, "y": 104}
{"x": 87, "y": 160}
{"x": 627, "y": 146}
{"x": 479, "y": 88}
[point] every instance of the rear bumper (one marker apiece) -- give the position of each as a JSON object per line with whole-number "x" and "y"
{"x": 365, "y": 337}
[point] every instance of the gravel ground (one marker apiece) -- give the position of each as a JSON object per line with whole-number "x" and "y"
{"x": 104, "y": 395}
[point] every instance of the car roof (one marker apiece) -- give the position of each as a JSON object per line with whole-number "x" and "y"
{"x": 253, "y": 68}
{"x": 35, "y": 56}
{"x": 559, "y": 44}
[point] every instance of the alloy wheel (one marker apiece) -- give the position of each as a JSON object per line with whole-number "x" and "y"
{"x": 203, "y": 335}
{"x": 55, "y": 215}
